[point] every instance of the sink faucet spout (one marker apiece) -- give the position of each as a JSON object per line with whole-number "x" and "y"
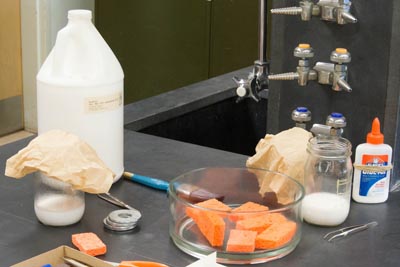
{"x": 258, "y": 79}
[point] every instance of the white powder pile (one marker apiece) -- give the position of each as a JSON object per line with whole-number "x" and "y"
{"x": 58, "y": 210}
{"x": 325, "y": 209}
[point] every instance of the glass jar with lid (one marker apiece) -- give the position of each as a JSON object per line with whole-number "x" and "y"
{"x": 327, "y": 181}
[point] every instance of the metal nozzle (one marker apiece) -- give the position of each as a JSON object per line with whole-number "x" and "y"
{"x": 289, "y": 76}
{"x": 349, "y": 18}
{"x": 287, "y": 11}
{"x": 344, "y": 85}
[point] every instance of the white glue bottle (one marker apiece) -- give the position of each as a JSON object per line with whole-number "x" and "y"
{"x": 372, "y": 168}
{"x": 80, "y": 90}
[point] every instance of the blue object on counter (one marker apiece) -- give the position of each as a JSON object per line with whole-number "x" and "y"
{"x": 47, "y": 265}
{"x": 148, "y": 181}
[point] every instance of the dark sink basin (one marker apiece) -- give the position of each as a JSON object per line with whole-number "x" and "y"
{"x": 226, "y": 125}
{"x": 205, "y": 114}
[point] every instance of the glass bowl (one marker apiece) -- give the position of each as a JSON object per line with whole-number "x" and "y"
{"x": 245, "y": 215}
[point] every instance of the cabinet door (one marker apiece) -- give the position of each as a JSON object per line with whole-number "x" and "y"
{"x": 11, "y": 109}
{"x": 161, "y": 45}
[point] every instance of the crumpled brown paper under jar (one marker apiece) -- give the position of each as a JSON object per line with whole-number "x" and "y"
{"x": 285, "y": 152}
{"x": 65, "y": 157}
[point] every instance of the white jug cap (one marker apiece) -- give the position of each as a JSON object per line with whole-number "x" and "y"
{"x": 79, "y": 14}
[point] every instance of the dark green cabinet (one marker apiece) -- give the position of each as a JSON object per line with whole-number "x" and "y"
{"x": 166, "y": 44}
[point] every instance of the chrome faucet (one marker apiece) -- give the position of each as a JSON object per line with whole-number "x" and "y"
{"x": 335, "y": 123}
{"x": 334, "y": 74}
{"x": 257, "y": 80}
{"x": 328, "y": 10}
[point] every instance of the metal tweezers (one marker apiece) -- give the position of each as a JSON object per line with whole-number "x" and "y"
{"x": 343, "y": 232}
{"x": 113, "y": 200}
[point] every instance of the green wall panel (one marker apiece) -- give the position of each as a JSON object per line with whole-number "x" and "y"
{"x": 162, "y": 45}
{"x": 166, "y": 44}
{"x": 234, "y": 35}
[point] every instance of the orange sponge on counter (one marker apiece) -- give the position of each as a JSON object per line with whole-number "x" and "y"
{"x": 89, "y": 243}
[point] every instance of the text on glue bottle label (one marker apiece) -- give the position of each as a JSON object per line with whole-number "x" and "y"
{"x": 373, "y": 182}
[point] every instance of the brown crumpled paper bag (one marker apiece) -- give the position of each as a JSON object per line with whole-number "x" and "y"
{"x": 285, "y": 152}
{"x": 65, "y": 157}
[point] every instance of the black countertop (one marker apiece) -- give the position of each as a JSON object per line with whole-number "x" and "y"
{"x": 22, "y": 236}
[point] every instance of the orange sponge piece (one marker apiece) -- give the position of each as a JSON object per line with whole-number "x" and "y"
{"x": 260, "y": 223}
{"x": 213, "y": 204}
{"x": 247, "y": 210}
{"x": 89, "y": 243}
{"x": 210, "y": 223}
{"x": 212, "y": 226}
{"x": 241, "y": 241}
{"x": 276, "y": 235}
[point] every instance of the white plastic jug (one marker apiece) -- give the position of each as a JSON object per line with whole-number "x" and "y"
{"x": 80, "y": 90}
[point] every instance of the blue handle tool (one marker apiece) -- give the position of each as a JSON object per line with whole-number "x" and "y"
{"x": 148, "y": 181}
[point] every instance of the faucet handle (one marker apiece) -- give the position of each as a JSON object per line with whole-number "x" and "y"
{"x": 340, "y": 56}
{"x": 336, "y": 120}
{"x": 242, "y": 89}
{"x": 303, "y": 51}
{"x": 246, "y": 88}
{"x": 301, "y": 115}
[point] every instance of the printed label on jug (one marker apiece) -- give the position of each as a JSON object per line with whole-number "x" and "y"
{"x": 372, "y": 183}
{"x": 103, "y": 103}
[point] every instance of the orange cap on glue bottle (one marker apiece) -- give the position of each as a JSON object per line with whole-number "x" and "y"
{"x": 375, "y": 136}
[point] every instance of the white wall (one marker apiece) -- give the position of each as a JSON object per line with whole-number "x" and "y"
{"x": 40, "y": 22}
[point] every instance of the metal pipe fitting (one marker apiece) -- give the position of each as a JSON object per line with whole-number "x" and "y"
{"x": 328, "y": 10}
{"x": 334, "y": 74}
